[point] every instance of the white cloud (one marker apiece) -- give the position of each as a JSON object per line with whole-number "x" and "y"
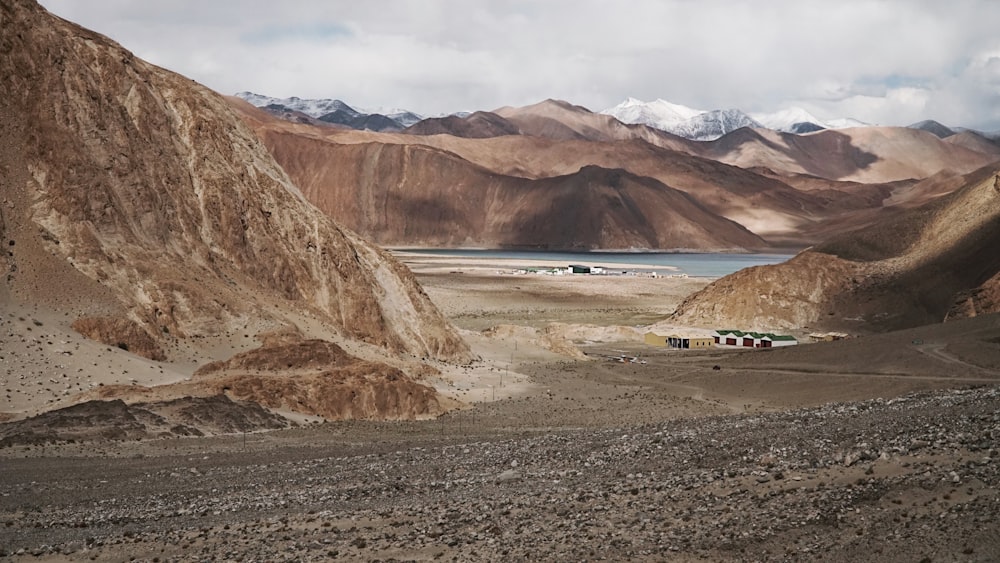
{"x": 878, "y": 60}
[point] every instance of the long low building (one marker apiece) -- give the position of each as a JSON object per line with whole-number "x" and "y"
{"x": 752, "y": 339}
{"x": 683, "y": 342}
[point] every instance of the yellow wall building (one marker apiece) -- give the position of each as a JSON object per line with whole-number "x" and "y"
{"x": 678, "y": 341}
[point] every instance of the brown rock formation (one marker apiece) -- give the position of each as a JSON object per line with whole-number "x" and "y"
{"x": 132, "y": 191}
{"x": 123, "y": 333}
{"x": 319, "y": 378}
{"x": 115, "y": 420}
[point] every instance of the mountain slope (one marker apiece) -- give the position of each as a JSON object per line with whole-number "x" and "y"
{"x": 333, "y": 111}
{"x": 659, "y": 113}
{"x": 414, "y": 194}
{"x": 760, "y": 201}
{"x": 133, "y": 193}
{"x": 478, "y": 125}
{"x": 933, "y": 127}
{"x": 866, "y": 155}
{"x": 562, "y": 121}
{"x": 713, "y": 124}
{"x": 790, "y": 120}
{"x": 915, "y": 267}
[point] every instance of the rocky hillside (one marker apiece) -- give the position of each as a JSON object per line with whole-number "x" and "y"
{"x": 135, "y": 194}
{"x": 912, "y": 267}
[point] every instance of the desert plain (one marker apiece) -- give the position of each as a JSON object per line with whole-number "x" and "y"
{"x": 876, "y": 447}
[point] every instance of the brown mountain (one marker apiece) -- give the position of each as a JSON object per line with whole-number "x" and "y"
{"x": 863, "y": 154}
{"x": 134, "y": 198}
{"x": 563, "y": 121}
{"x": 916, "y": 266}
{"x": 479, "y": 125}
{"x": 414, "y": 194}
{"x": 338, "y": 176}
{"x": 800, "y": 190}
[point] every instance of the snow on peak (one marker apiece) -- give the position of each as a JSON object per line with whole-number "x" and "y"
{"x": 659, "y": 113}
{"x": 846, "y": 122}
{"x": 703, "y": 125}
{"x": 681, "y": 120}
{"x": 319, "y": 108}
{"x": 787, "y": 119}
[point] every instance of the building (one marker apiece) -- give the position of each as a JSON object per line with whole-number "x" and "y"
{"x": 828, "y": 336}
{"x": 578, "y": 269}
{"x": 686, "y": 342}
{"x": 653, "y": 339}
{"x": 752, "y": 339}
{"x": 728, "y": 337}
{"x": 683, "y": 342}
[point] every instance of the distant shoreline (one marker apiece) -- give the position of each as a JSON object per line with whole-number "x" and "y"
{"x": 700, "y": 264}
{"x": 631, "y": 251}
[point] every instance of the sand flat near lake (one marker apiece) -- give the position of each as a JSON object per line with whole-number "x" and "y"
{"x": 436, "y": 263}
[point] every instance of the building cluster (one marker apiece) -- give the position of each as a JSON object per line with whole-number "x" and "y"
{"x": 585, "y": 270}
{"x": 753, "y": 339}
{"x": 726, "y": 338}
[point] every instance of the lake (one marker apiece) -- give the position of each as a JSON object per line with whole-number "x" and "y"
{"x": 692, "y": 264}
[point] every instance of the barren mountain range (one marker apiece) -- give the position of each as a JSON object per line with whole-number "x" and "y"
{"x": 555, "y": 175}
{"x": 137, "y": 206}
{"x": 459, "y": 178}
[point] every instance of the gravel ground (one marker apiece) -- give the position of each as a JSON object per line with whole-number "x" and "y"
{"x": 914, "y": 478}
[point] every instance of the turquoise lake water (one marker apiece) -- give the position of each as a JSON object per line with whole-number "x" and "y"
{"x": 692, "y": 264}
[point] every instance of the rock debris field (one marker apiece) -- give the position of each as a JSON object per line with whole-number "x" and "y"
{"x": 914, "y": 478}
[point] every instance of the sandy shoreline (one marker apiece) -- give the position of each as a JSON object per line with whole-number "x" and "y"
{"x": 430, "y": 262}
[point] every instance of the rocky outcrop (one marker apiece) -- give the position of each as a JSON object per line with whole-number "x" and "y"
{"x": 132, "y": 191}
{"x": 981, "y": 300}
{"x": 123, "y": 333}
{"x": 100, "y": 420}
{"x": 318, "y": 378}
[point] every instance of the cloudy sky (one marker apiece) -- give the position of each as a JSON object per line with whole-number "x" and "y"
{"x": 889, "y": 62}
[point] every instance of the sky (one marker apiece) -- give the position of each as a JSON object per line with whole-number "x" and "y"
{"x": 885, "y": 62}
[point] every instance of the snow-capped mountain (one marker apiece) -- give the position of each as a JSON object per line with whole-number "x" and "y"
{"x": 791, "y": 120}
{"x": 312, "y": 108}
{"x": 402, "y": 116}
{"x": 338, "y": 112}
{"x": 713, "y": 124}
{"x": 695, "y": 124}
{"x": 702, "y": 125}
{"x": 660, "y": 114}
{"x": 846, "y": 122}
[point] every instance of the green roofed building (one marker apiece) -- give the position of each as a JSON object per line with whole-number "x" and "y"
{"x": 728, "y": 337}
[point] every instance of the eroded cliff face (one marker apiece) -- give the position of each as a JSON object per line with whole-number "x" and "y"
{"x": 129, "y": 190}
